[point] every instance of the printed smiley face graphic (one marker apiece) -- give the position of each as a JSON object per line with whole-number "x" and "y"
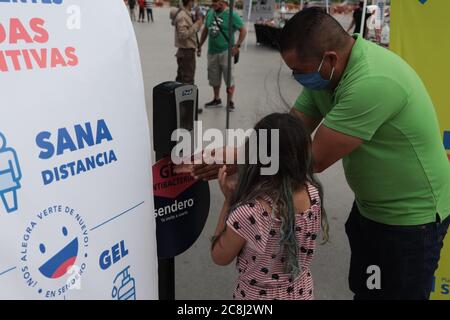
{"x": 58, "y": 265}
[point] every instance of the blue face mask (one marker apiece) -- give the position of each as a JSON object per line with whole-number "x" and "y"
{"x": 314, "y": 80}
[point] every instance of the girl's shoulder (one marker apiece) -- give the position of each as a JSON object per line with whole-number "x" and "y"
{"x": 253, "y": 211}
{"x": 252, "y": 222}
{"x": 260, "y": 212}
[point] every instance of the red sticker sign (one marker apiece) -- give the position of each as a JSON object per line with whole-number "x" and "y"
{"x": 168, "y": 184}
{"x": 181, "y": 209}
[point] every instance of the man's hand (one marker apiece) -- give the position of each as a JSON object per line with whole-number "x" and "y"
{"x": 204, "y": 172}
{"x": 207, "y": 172}
{"x": 235, "y": 50}
{"x": 203, "y": 36}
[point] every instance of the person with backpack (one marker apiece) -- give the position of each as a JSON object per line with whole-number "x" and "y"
{"x": 186, "y": 41}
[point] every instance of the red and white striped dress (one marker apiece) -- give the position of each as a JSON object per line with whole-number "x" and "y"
{"x": 260, "y": 263}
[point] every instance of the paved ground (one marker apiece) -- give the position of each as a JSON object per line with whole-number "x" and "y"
{"x": 260, "y": 77}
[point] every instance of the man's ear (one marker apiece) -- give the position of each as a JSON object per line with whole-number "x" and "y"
{"x": 333, "y": 56}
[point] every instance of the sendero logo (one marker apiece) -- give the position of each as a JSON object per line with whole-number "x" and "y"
{"x": 33, "y": 1}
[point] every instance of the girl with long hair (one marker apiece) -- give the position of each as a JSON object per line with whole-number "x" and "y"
{"x": 271, "y": 222}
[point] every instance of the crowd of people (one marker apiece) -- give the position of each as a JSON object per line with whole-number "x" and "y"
{"x": 189, "y": 21}
{"x": 216, "y": 30}
{"x": 143, "y": 8}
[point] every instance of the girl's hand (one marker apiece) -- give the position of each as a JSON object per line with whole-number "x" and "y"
{"x": 227, "y": 184}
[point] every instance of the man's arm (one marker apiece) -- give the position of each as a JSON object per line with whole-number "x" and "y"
{"x": 310, "y": 122}
{"x": 329, "y": 146}
{"x": 185, "y": 30}
{"x": 242, "y": 35}
{"x": 203, "y": 37}
{"x": 206, "y": 171}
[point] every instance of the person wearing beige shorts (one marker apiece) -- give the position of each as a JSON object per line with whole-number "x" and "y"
{"x": 216, "y": 30}
{"x": 218, "y": 67}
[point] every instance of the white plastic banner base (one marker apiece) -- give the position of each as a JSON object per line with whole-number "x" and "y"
{"x": 76, "y": 201}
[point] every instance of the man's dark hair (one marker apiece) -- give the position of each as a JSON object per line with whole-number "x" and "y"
{"x": 361, "y": 4}
{"x": 311, "y": 32}
{"x": 186, "y": 2}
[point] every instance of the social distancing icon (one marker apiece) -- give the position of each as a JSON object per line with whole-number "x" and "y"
{"x": 10, "y": 176}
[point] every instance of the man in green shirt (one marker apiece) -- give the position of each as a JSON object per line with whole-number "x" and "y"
{"x": 372, "y": 110}
{"x": 217, "y": 29}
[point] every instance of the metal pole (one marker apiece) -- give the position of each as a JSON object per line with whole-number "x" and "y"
{"x": 249, "y": 16}
{"x": 328, "y": 6}
{"x": 166, "y": 279}
{"x": 230, "y": 47}
{"x": 363, "y": 21}
{"x": 166, "y": 267}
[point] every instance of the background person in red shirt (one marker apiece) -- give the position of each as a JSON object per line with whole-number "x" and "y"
{"x": 141, "y": 10}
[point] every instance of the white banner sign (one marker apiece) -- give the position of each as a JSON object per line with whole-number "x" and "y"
{"x": 76, "y": 204}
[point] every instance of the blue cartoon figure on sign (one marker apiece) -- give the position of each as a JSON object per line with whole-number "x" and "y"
{"x": 10, "y": 176}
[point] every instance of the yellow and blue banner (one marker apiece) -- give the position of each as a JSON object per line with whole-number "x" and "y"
{"x": 419, "y": 34}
